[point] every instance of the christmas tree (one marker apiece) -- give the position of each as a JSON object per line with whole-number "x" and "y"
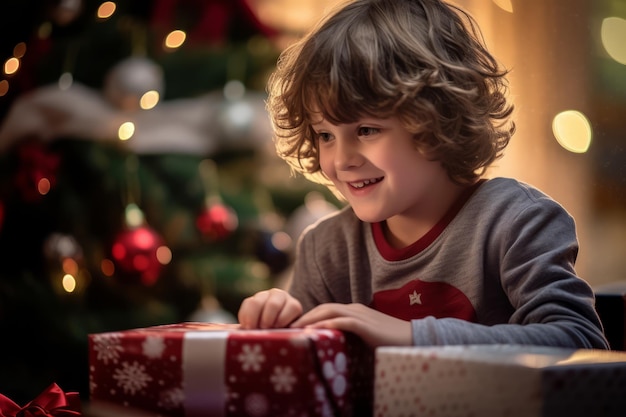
{"x": 138, "y": 181}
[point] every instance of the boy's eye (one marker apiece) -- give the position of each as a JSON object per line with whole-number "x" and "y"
{"x": 323, "y": 137}
{"x": 367, "y": 131}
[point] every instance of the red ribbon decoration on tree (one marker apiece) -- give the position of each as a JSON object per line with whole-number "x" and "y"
{"x": 52, "y": 402}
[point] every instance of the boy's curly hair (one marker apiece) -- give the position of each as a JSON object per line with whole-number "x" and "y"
{"x": 423, "y": 61}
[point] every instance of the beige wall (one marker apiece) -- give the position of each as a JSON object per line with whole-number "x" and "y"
{"x": 549, "y": 47}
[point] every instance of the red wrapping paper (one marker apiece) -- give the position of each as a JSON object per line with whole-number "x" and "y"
{"x": 196, "y": 369}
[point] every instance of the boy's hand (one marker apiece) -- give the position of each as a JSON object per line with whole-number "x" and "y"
{"x": 269, "y": 309}
{"x": 374, "y": 327}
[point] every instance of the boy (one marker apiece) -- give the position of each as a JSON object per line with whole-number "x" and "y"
{"x": 398, "y": 107}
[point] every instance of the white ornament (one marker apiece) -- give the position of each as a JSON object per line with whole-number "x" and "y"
{"x": 130, "y": 79}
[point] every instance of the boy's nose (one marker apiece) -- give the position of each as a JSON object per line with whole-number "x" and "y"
{"x": 347, "y": 154}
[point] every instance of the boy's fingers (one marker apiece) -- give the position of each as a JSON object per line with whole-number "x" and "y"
{"x": 291, "y": 311}
{"x": 251, "y": 309}
{"x": 268, "y": 309}
{"x": 272, "y": 307}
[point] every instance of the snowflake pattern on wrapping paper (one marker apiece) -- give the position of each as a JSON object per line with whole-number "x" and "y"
{"x": 132, "y": 377}
{"x": 172, "y": 398}
{"x": 251, "y": 357}
{"x": 267, "y": 373}
{"x": 108, "y": 347}
{"x": 283, "y": 379}
{"x": 256, "y": 405}
{"x": 322, "y": 400}
{"x": 153, "y": 347}
{"x": 335, "y": 371}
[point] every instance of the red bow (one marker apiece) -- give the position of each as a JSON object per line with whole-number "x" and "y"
{"x": 52, "y": 402}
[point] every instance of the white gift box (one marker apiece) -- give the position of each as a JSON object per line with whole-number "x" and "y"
{"x": 499, "y": 380}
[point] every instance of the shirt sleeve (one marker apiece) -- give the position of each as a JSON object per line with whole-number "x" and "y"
{"x": 307, "y": 284}
{"x": 553, "y": 306}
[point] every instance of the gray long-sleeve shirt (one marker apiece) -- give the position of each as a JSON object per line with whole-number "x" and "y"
{"x": 498, "y": 268}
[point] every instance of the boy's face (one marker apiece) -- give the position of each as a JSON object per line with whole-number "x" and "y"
{"x": 374, "y": 163}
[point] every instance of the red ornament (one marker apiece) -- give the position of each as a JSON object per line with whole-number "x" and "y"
{"x": 135, "y": 252}
{"x": 217, "y": 221}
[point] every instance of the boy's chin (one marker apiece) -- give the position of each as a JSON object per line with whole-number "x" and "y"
{"x": 367, "y": 217}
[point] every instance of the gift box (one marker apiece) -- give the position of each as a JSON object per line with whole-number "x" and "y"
{"x": 611, "y": 307}
{"x": 204, "y": 369}
{"x": 511, "y": 381}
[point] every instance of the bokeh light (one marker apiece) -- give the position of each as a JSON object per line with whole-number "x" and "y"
{"x": 19, "y": 50}
{"x": 43, "y": 186}
{"x": 149, "y": 100}
{"x": 4, "y": 87}
{"x": 164, "y": 255}
{"x": 613, "y": 35}
{"x": 66, "y": 80}
{"x": 69, "y": 283}
{"x": 505, "y": 5}
{"x": 11, "y": 66}
{"x": 126, "y": 130}
{"x": 70, "y": 266}
{"x": 175, "y": 39}
{"x": 572, "y": 130}
{"x": 106, "y": 10}
{"x": 107, "y": 267}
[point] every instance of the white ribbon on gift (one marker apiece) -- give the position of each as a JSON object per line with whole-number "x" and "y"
{"x": 203, "y": 373}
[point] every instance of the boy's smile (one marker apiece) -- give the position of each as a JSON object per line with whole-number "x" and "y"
{"x": 375, "y": 164}
{"x": 365, "y": 183}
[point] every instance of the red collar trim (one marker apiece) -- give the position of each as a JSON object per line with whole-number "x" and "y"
{"x": 394, "y": 254}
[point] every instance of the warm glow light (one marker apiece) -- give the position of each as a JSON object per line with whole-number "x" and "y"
{"x": 149, "y": 100}
{"x": 505, "y": 5}
{"x": 281, "y": 241}
{"x": 572, "y": 130}
{"x": 126, "y": 130}
{"x": 106, "y": 10}
{"x": 4, "y": 87}
{"x": 175, "y": 39}
{"x": 43, "y": 186}
{"x": 19, "y": 50}
{"x": 107, "y": 267}
{"x": 69, "y": 283}
{"x": 70, "y": 266}
{"x": 11, "y": 66}
{"x": 613, "y": 34}
{"x": 133, "y": 215}
{"x": 164, "y": 255}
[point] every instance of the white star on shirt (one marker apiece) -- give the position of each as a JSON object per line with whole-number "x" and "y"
{"x": 415, "y": 298}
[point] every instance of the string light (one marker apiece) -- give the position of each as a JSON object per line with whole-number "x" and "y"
{"x": 175, "y": 39}
{"x": 11, "y": 66}
{"x": 126, "y": 130}
{"x": 4, "y": 87}
{"x": 106, "y": 10}
{"x": 149, "y": 100}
